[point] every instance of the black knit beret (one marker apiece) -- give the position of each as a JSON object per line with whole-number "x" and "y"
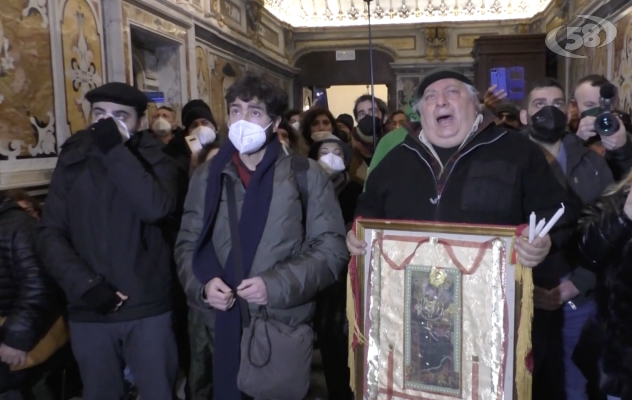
{"x": 197, "y": 113}
{"x": 119, "y": 93}
{"x": 438, "y": 75}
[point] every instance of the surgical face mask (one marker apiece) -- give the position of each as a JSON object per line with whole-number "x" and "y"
{"x": 204, "y": 134}
{"x": 120, "y": 124}
{"x": 321, "y": 135}
{"x": 332, "y": 163}
{"x": 161, "y": 127}
{"x": 296, "y": 125}
{"x": 548, "y": 125}
{"x": 247, "y": 137}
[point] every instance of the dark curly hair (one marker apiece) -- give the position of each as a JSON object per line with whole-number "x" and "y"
{"x": 251, "y": 86}
{"x": 310, "y": 116}
{"x": 381, "y": 105}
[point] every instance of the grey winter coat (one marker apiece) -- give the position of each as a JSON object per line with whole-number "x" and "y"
{"x": 293, "y": 268}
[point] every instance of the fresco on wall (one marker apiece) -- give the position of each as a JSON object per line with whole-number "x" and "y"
{"x": 83, "y": 65}
{"x": 27, "y": 126}
{"x": 622, "y": 65}
{"x": 224, "y": 72}
{"x": 203, "y": 75}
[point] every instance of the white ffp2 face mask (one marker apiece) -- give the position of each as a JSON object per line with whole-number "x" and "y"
{"x": 247, "y": 137}
{"x": 332, "y": 163}
{"x": 321, "y": 135}
{"x": 161, "y": 127}
{"x": 204, "y": 134}
{"x": 296, "y": 125}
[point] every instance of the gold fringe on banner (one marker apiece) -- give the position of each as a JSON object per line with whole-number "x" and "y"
{"x": 354, "y": 332}
{"x": 524, "y": 377}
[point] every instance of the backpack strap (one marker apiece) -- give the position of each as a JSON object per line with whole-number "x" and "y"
{"x": 300, "y": 165}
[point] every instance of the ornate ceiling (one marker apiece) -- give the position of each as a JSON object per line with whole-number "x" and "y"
{"x": 324, "y": 13}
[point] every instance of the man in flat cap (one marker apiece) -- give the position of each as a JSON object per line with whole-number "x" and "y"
{"x": 102, "y": 238}
{"x": 463, "y": 168}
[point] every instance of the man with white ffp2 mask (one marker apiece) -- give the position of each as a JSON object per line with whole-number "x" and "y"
{"x": 164, "y": 124}
{"x": 286, "y": 261}
{"x": 102, "y": 239}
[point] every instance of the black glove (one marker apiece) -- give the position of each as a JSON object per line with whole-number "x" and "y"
{"x": 365, "y": 125}
{"x": 102, "y": 298}
{"x": 106, "y": 134}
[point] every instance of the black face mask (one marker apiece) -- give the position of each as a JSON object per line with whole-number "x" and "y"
{"x": 548, "y": 125}
{"x": 366, "y": 126}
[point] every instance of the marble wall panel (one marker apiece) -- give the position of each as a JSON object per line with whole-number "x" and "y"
{"x": 140, "y": 17}
{"x": 27, "y": 126}
{"x": 83, "y": 62}
{"x": 169, "y": 76}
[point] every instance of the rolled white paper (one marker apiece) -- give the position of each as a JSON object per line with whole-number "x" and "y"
{"x": 539, "y": 226}
{"x": 531, "y": 227}
{"x": 552, "y": 222}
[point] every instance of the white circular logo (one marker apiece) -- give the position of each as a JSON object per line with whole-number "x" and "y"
{"x": 582, "y": 36}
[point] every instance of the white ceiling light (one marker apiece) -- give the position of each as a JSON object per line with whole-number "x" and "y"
{"x": 331, "y": 13}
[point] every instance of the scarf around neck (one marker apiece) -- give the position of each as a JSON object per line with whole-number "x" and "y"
{"x": 206, "y": 265}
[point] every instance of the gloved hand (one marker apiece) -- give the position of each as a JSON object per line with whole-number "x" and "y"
{"x": 102, "y": 298}
{"x": 106, "y": 134}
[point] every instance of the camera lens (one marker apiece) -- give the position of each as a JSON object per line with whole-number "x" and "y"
{"x": 606, "y": 124}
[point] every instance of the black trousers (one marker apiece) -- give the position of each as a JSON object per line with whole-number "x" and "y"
{"x": 147, "y": 346}
{"x": 330, "y": 325}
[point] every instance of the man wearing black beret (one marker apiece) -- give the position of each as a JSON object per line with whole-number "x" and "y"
{"x": 102, "y": 238}
{"x": 459, "y": 166}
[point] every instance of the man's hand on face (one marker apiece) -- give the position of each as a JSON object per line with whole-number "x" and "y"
{"x": 531, "y": 255}
{"x": 15, "y": 358}
{"x": 356, "y": 247}
{"x": 219, "y": 295}
{"x": 254, "y": 291}
{"x": 617, "y": 140}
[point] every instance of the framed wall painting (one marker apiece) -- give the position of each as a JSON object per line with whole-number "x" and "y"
{"x": 439, "y": 312}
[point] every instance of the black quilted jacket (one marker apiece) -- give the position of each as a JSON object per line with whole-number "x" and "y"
{"x": 28, "y": 298}
{"x": 605, "y": 247}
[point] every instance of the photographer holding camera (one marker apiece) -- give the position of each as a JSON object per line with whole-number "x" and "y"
{"x": 592, "y": 107}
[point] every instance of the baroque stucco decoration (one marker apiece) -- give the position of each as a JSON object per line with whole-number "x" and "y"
{"x": 436, "y": 43}
{"x": 254, "y": 12}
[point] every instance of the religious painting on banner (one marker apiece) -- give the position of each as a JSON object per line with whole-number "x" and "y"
{"x": 439, "y": 312}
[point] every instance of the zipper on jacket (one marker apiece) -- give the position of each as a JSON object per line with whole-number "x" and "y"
{"x": 437, "y": 200}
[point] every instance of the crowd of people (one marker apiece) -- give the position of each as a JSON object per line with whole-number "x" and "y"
{"x": 170, "y": 261}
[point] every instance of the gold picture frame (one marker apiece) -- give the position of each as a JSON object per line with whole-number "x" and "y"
{"x": 421, "y": 300}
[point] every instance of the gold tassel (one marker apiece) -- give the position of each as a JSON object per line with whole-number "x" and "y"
{"x": 354, "y": 331}
{"x": 524, "y": 378}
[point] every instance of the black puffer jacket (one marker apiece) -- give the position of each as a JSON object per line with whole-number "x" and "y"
{"x": 27, "y": 295}
{"x": 605, "y": 248}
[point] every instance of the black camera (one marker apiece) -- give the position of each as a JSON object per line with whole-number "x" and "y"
{"x": 606, "y": 123}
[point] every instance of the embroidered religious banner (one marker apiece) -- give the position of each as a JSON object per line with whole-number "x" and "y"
{"x": 439, "y": 312}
